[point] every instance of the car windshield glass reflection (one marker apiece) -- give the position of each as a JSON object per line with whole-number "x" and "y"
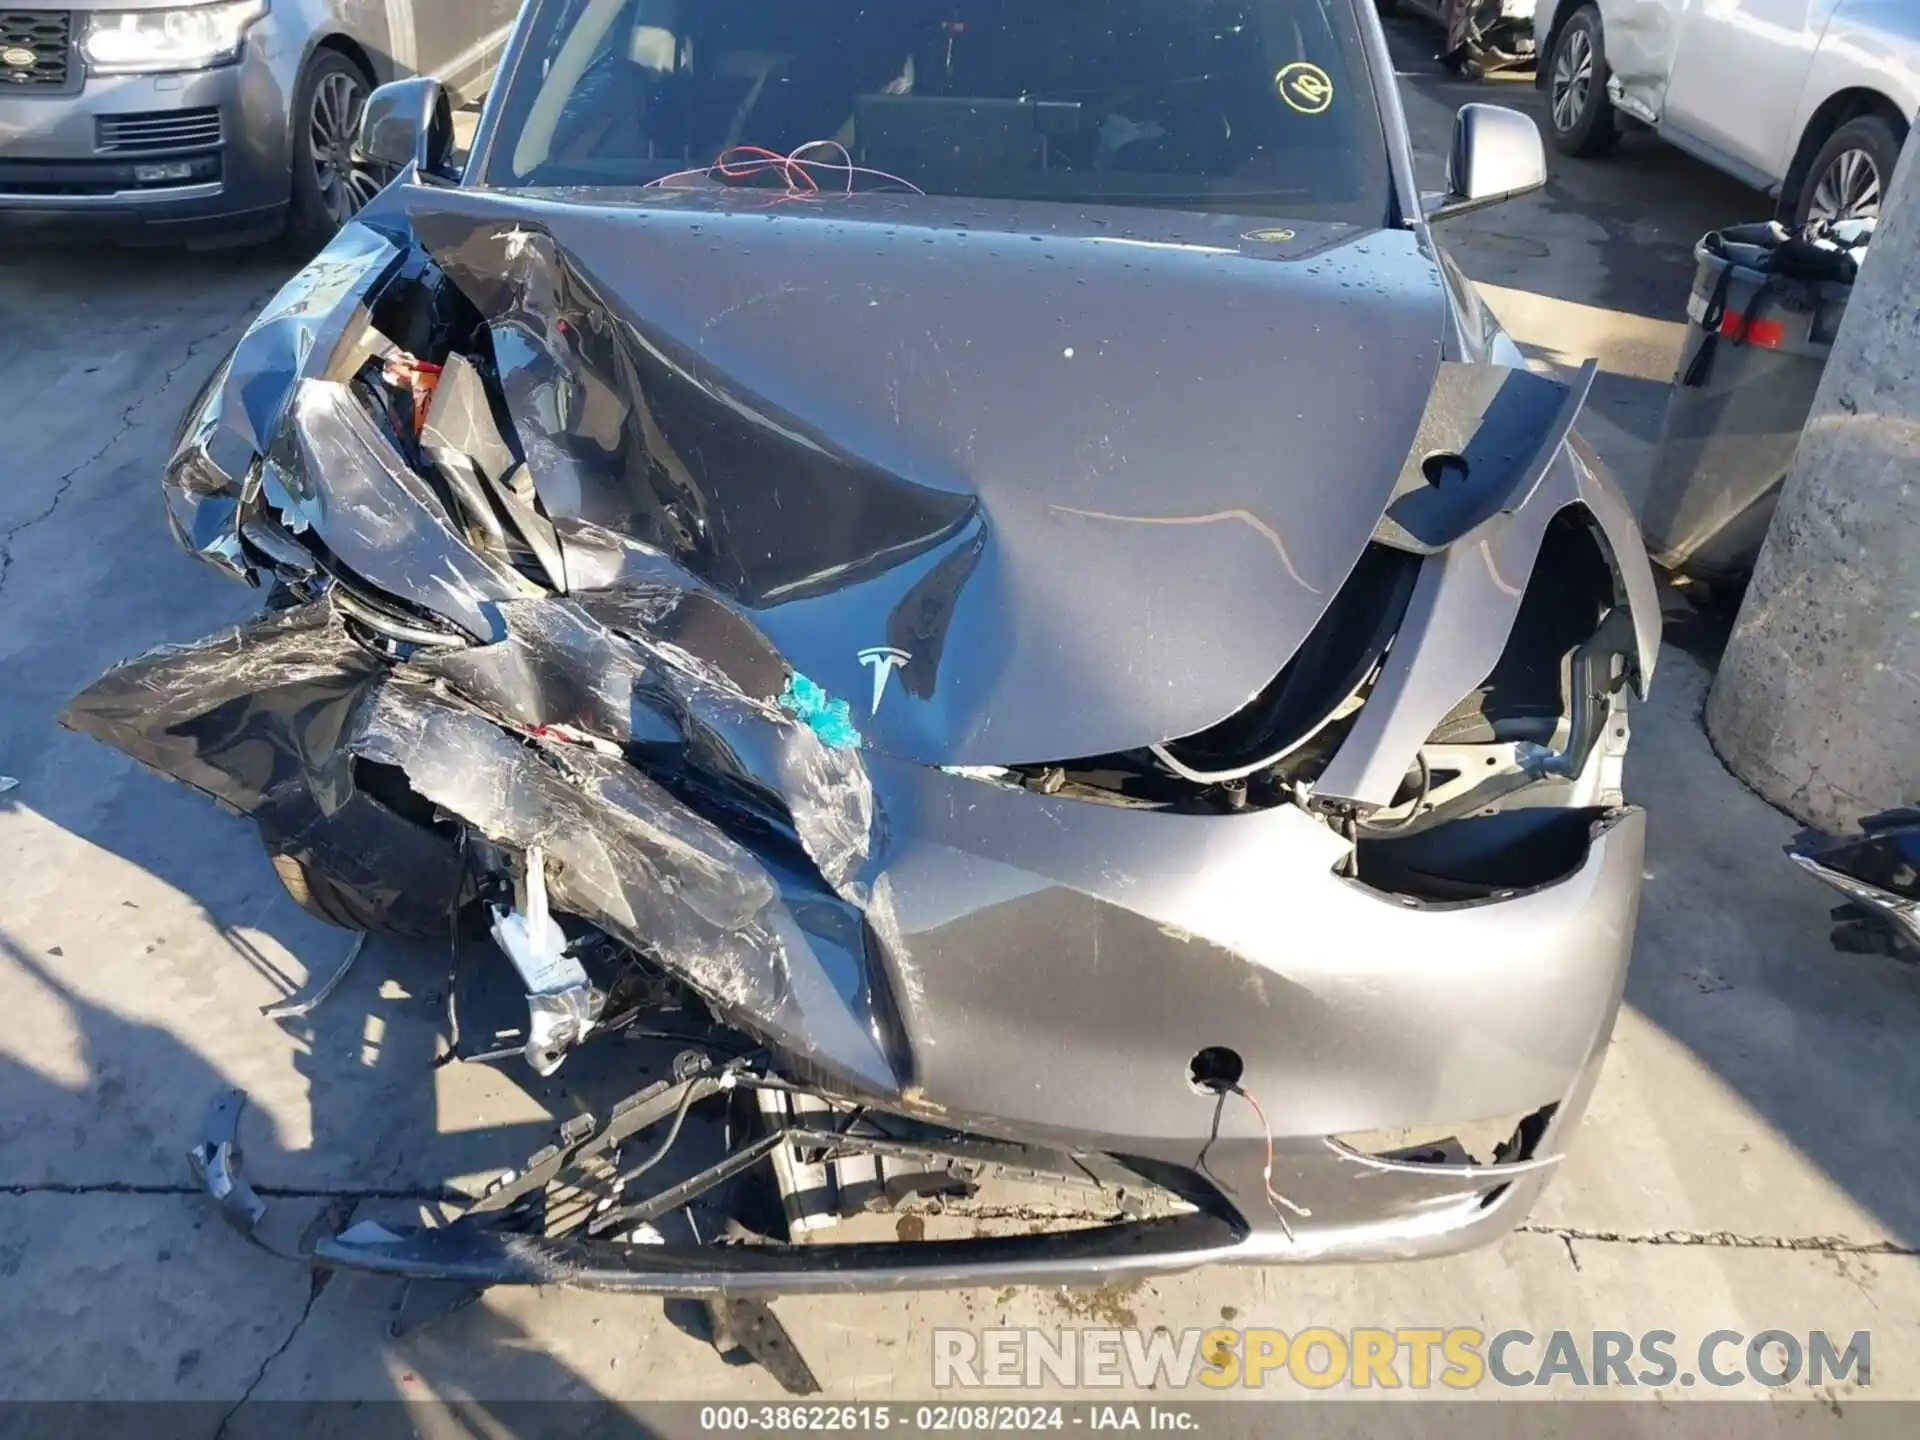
{"x": 1199, "y": 104}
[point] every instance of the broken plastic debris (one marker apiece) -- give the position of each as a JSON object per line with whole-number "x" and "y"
{"x": 7, "y": 782}
{"x": 291, "y": 1009}
{"x": 830, "y": 719}
{"x": 215, "y": 1163}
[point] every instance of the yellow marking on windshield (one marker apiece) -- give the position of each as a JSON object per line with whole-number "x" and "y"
{"x": 1305, "y": 87}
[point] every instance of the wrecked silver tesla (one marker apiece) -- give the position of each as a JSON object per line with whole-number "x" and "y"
{"x": 982, "y": 551}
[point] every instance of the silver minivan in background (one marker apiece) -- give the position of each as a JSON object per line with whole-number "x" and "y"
{"x": 212, "y": 119}
{"x": 1808, "y": 100}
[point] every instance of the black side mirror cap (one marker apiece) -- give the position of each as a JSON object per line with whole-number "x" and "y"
{"x": 407, "y": 122}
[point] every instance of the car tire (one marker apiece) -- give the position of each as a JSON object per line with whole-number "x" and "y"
{"x": 1852, "y": 172}
{"x": 1469, "y": 62}
{"x": 1579, "y": 114}
{"x": 327, "y": 189}
{"x": 317, "y": 895}
{"x": 314, "y": 892}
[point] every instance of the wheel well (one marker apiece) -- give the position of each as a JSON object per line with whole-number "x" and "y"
{"x": 351, "y": 50}
{"x": 1835, "y": 112}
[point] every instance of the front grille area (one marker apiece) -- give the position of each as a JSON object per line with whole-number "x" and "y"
{"x": 163, "y": 130}
{"x": 46, "y": 35}
{"x": 54, "y": 178}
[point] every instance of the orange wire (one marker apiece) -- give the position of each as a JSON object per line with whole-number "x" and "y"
{"x": 1274, "y": 1197}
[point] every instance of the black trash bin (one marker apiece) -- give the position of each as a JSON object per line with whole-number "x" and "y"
{"x": 1761, "y": 320}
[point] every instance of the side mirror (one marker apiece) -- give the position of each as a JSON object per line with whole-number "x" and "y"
{"x": 1496, "y": 155}
{"x": 407, "y": 122}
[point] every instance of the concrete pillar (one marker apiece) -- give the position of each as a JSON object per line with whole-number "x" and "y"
{"x": 1817, "y": 703}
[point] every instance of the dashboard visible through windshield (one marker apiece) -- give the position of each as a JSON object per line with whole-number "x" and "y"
{"x": 1246, "y": 106}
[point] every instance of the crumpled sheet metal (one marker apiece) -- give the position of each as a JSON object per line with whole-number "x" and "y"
{"x": 561, "y": 666}
{"x": 543, "y": 379}
{"x": 1878, "y": 871}
{"x": 375, "y": 515}
{"x": 236, "y": 417}
{"x": 1505, "y": 425}
{"x": 269, "y": 717}
{"x": 255, "y": 717}
{"x": 632, "y": 858}
{"x": 1462, "y": 611}
{"x": 782, "y": 403}
{"x": 244, "y": 716}
{"x": 626, "y": 851}
{"x": 740, "y": 928}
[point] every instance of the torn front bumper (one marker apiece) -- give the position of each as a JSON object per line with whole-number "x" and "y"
{"x": 1286, "y": 1012}
{"x": 475, "y": 1255}
{"x": 1032, "y": 967}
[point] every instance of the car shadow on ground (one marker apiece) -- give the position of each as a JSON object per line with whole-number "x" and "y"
{"x": 244, "y": 1293}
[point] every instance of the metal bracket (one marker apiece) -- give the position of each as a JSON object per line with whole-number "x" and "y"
{"x": 562, "y": 1005}
{"x": 741, "y": 1323}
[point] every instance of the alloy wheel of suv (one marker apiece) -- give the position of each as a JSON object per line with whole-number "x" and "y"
{"x": 1849, "y": 190}
{"x": 328, "y": 189}
{"x": 1572, "y": 79}
{"x": 1849, "y": 177}
{"x": 333, "y": 120}
{"x": 1580, "y": 114}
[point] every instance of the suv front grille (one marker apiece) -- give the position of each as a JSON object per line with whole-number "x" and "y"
{"x": 45, "y": 35}
{"x": 163, "y": 130}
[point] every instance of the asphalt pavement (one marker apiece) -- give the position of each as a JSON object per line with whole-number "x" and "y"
{"x": 1751, "y": 1161}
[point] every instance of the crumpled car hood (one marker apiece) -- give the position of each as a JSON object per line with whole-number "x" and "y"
{"x": 1020, "y": 486}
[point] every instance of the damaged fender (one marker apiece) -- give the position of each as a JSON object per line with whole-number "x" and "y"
{"x": 629, "y": 855}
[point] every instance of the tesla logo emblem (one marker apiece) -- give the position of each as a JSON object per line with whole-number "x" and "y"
{"x": 883, "y": 660}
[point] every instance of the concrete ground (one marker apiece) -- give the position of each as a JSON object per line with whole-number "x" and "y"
{"x": 1751, "y": 1162}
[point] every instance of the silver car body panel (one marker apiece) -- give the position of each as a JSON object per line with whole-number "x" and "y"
{"x": 1220, "y": 455}
{"x": 1463, "y": 608}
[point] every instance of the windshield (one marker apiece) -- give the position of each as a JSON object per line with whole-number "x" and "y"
{"x": 1260, "y": 106}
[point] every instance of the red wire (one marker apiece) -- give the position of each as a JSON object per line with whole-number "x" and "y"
{"x": 743, "y": 162}
{"x": 749, "y": 162}
{"x": 1274, "y": 1198}
{"x": 1266, "y": 1174}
